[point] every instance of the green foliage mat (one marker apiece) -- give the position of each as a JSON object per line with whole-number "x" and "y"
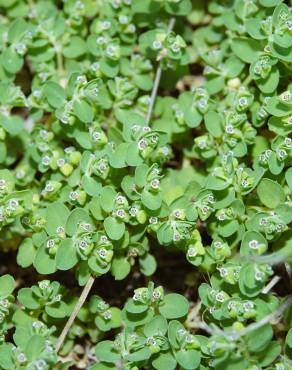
{"x": 145, "y": 149}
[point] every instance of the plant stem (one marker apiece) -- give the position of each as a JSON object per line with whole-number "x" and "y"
{"x": 74, "y": 313}
{"x": 157, "y": 80}
{"x": 236, "y": 335}
{"x": 271, "y": 284}
{"x": 279, "y": 311}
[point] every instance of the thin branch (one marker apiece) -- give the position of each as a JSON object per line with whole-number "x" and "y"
{"x": 235, "y": 335}
{"x": 274, "y": 315}
{"x": 74, "y": 313}
{"x": 271, "y": 284}
{"x": 157, "y": 80}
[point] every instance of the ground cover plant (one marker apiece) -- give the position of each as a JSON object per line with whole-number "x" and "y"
{"x": 145, "y": 184}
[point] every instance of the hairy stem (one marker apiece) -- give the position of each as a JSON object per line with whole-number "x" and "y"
{"x": 157, "y": 80}
{"x": 74, "y": 313}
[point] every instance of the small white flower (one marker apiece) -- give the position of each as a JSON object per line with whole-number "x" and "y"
{"x": 50, "y": 243}
{"x": 220, "y": 297}
{"x": 21, "y": 358}
{"x": 13, "y": 204}
{"x": 83, "y": 244}
{"x": 106, "y": 25}
{"x": 81, "y": 79}
{"x": 175, "y": 47}
{"x": 202, "y": 103}
{"x": 73, "y": 195}
{"x": 153, "y": 220}
{"x": 49, "y": 187}
{"x": 120, "y": 199}
{"x": 253, "y": 244}
{"x": 40, "y": 364}
{"x": 123, "y": 19}
{"x": 104, "y": 239}
{"x": 259, "y": 276}
{"x": 43, "y": 285}
{"x": 46, "y": 160}
{"x": 110, "y": 50}
{"x": 121, "y": 213}
{"x": 137, "y": 297}
{"x": 156, "y": 295}
{"x": 248, "y": 306}
{"x": 2, "y": 184}
{"x": 133, "y": 211}
{"x": 229, "y": 129}
{"x": 218, "y": 244}
{"x": 242, "y": 101}
{"x": 142, "y": 144}
{"x": 61, "y": 162}
{"x": 223, "y": 272}
{"x": 157, "y": 45}
{"x": 102, "y": 253}
{"x": 60, "y": 230}
{"x": 107, "y": 315}
{"x": 20, "y": 174}
{"x": 155, "y": 184}
{"x": 100, "y": 40}
{"x": 192, "y": 252}
{"x": 151, "y": 341}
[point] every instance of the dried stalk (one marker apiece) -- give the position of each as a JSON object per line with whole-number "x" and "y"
{"x": 74, "y": 313}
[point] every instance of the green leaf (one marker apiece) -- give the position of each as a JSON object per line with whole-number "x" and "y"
{"x": 121, "y": 267}
{"x": 6, "y": 356}
{"x": 246, "y": 49}
{"x": 164, "y": 361}
{"x": 289, "y": 339}
{"x": 28, "y": 299}
{"x": 7, "y": 285}
{"x": 213, "y": 123}
{"x": 270, "y": 193}
{"x": 269, "y": 354}
{"x": 75, "y": 48}
{"x": 26, "y": 253}
{"x": 269, "y": 84}
{"x": 44, "y": 263}
{"x": 91, "y": 186}
{"x": 105, "y": 352}
{"x": 147, "y": 264}
{"x": 174, "y": 306}
{"x": 157, "y": 326}
{"x": 107, "y": 198}
{"x": 12, "y": 124}
{"x": 16, "y": 30}
{"x": 11, "y": 61}
{"x": 56, "y": 216}
{"x": 83, "y": 111}
{"x": 151, "y": 200}
{"x": 188, "y": 359}
{"x": 135, "y": 306}
{"x": 288, "y": 177}
{"x": 55, "y": 94}
{"x": 114, "y": 228}
{"x": 34, "y": 347}
{"x": 258, "y": 340}
{"x": 57, "y": 310}
{"x": 182, "y": 7}
{"x": 139, "y": 355}
{"x": 253, "y": 243}
{"x": 67, "y": 256}
{"x": 77, "y": 216}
